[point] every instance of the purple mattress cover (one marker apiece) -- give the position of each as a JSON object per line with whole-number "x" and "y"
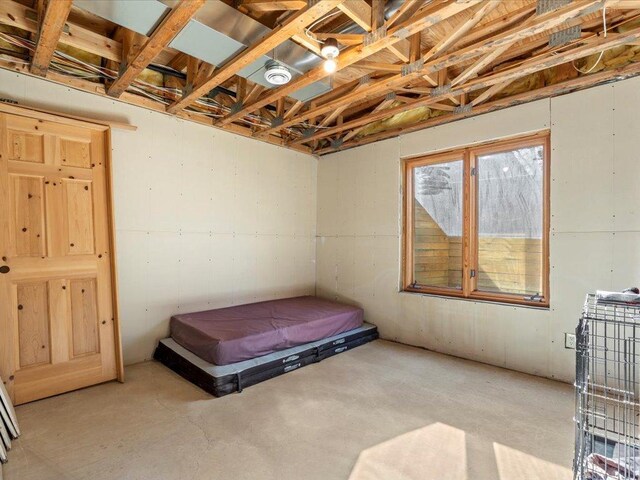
{"x": 234, "y": 334}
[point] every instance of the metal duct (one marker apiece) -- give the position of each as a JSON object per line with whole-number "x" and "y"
{"x": 216, "y": 34}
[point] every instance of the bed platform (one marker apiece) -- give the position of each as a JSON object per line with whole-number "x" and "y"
{"x": 234, "y": 334}
{"x": 220, "y": 380}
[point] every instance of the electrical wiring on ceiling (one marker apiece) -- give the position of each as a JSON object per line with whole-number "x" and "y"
{"x": 68, "y": 65}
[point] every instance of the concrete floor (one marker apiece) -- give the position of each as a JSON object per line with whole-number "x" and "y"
{"x": 383, "y": 411}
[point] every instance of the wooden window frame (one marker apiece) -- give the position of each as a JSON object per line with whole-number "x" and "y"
{"x": 469, "y": 155}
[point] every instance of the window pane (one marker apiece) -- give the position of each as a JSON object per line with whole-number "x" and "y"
{"x": 510, "y": 226}
{"x": 437, "y": 217}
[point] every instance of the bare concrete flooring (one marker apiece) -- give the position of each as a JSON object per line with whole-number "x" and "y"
{"x": 380, "y": 412}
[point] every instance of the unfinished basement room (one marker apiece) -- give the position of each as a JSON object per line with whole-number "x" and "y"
{"x": 319, "y": 239}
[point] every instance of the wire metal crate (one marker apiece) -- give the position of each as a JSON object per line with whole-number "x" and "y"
{"x": 607, "y": 443}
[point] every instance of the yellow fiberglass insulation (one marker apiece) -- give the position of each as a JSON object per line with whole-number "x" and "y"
{"x": 614, "y": 58}
{"x": 401, "y": 119}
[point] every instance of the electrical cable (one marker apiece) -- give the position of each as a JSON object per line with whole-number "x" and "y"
{"x": 68, "y": 65}
{"x": 604, "y": 21}
{"x": 307, "y": 30}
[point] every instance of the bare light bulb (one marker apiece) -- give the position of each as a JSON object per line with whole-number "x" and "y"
{"x": 330, "y": 65}
{"x": 330, "y": 51}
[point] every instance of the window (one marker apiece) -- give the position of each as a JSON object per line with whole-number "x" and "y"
{"x": 476, "y": 222}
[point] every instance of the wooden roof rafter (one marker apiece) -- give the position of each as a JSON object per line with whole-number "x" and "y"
{"x": 142, "y": 55}
{"x": 437, "y": 11}
{"x": 51, "y": 25}
{"x": 595, "y": 45}
{"x": 535, "y": 26}
{"x": 444, "y": 72}
{"x": 293, "y": 25}
{"x": 579, "y": 83}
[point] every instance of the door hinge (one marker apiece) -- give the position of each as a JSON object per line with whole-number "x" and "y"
{"x": 473, "y": 171}
{"x": 473, "y": 273}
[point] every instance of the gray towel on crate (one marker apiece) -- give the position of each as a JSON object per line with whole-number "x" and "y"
{"x": 617, "y": 297}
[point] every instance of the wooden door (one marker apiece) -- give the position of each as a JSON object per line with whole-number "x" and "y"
{"x": 58, "y": 327}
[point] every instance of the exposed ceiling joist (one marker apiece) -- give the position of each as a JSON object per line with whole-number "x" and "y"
{"x": 360, "y": 12}
{"x": 144, "y": 54}
{"x": 587, "y": 81}
{"x": 408, "y": 7}
{"x": 16, "y": 15}
{"x": 485, "y": 60}
{"x": 490, "y": 92}
{"x": 595, "y": 45}
{"x": 440, "y": 10}
{"x": 51, "y": 27}
{"x": 293, "y": 25}
{"x": 539, "y": 24}
{"x": 485, "y": 51}
{"x": 460, "y": 30}
{"x": 274, "y": 5}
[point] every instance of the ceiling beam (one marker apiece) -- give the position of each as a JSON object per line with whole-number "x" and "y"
{"x": 461, "y": 29}
{"x": 485, "y": 60}
{"x": 172, "y": 24}
{"x": 567, "y": 86}
{"x": 386, "y": 103}
{"x": 491, "y": 92}
{"x": 274, "y": 5}
{"x": 295, "y": 24}
{"x": 130, "y": 98}
{"x": 595, "y": 45}
{"x": 360, "y": 12}
{"x": 440, "y": 10}
{"x": 50, "y": 29}
{"x": 528, "y": 29}
{"x": 347, "y": 39}
{"x": 407, "y": 7}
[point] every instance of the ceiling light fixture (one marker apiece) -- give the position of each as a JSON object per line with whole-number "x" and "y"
{"x": 276, "y": 74}
{"x": 330, "y": 52}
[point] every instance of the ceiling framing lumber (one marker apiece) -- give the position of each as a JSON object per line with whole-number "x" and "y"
{"x": 460, "y": 30}
{"x": 136, "y": 100}
{"x": 274, "y": 5}
{"x": 407, "y": 7}
{"x": 597, "y": 45}
{"x": 528, "y": 29}
{"x": 539, "y": 25}
{"x": 440, "y": 10}
{"x": 293, "y": 25}
{"x": 172, "y": 24}
{"x": 16, "y": 15}
{"x": 50, "y": 29}
{"x": 360, "y": 12}
{"x": 386, "y": 103}
{"x": 567, "y": 86}
{"x": 480, "y": 64}
{"x": 490, "y": 92}
{"x": 440, "y": 60}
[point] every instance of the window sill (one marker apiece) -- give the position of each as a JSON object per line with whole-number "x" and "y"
{"x": 543, "y": 307}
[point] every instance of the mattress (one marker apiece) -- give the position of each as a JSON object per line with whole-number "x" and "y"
{"x": 220, "y": 380}
{"x": 234, "y": 334}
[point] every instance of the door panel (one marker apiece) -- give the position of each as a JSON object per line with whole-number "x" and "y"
{"x": 28, "y": 224}
{"x": 27, "y": 147}
{"x": 84, "y": 316}
{"x": 75, "y": 154}
{"x": 56, "y": 297}
{"x": 33, "y": 324}
{"x": 78, "y": 200}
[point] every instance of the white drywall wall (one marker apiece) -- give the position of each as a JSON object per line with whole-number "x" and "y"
{"x": 204, "y": 218}
{"x": 207, "y": 219}
{"x": 594, "y": 243}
